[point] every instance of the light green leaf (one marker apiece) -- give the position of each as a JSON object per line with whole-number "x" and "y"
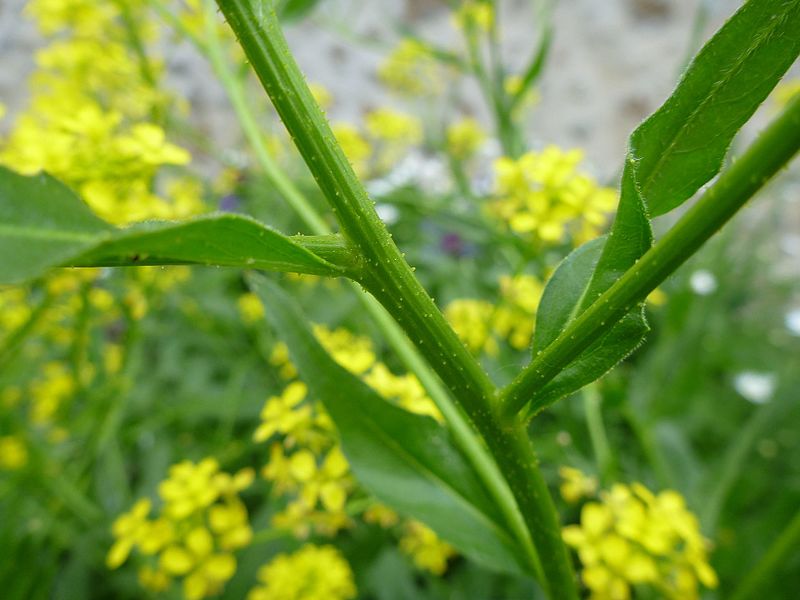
{"x": 560, "y": 303}
{"x": 408, "y": 461}
{"x": 43, "y": 224}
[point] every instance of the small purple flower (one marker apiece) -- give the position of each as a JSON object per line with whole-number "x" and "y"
{"x": 230, "y": 203}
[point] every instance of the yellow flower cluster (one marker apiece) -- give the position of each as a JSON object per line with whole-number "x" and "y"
{"x": 464, "y": 138}
{"x": 543, "y": 194}
{"x": 412, "y": 70}
{"x": 575, "y": 484}
{"x": 310, "y": 573}
{"x": 474, "y": 14}
{"x": 307, "y": 465}
{"x": 201, "y": 523}
{"x": 388, "y": 136}
{"x": 480, "y": 324}
{"x": 355, "y": 146}
{"x": 634, "y": 537}
{"x": 91, "y": 120}
{"x": 13, "y": 453}
{"x": 50, "y": 392}
{"x": 418, "y": 541}
{"x": 426, "y": 550}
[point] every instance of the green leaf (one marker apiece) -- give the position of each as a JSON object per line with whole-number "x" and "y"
{"x": 408, "y": 461}
{"x": 43, "y": 224}
{"x": 683, "y": 144}
{"x": 293, "y": 10}
{"x": 560, "y": 303}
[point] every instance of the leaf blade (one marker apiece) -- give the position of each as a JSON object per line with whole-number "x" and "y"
{"x": 43, "y": 224}
{"x": 407, "y": 461}
{"x": 682, "y": 145}
{"x": 560, "y": 304}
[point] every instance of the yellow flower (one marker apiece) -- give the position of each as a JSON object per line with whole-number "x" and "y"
{"x": 544, "y": 195}
{"x": 50, "y": 392}
{"x": 281, "y": 414}
{"x": 202, "y": 522}
{"x": 470, "y": 320}
{"x": 474, "y": 14}
{"x": 464, "y": 138}
{"x": 354, "y": 145}
{"x": 89, "y": 118}
{"x": 354, "y": 353}
{"x": 426, "y": 550}
{"x": 575, "y": 484}
{"x": 635, "y": 537}
{"x": 387, "y": 125}
{"x": 405, "y": 390}
{"x": 13, "y": 453}
{"x": 128, "y": 530}
{"x": 412, "y": 70}
{"x": 311, "y": 573}
{"x": 381, "y": 515}
{"x": 321, "y": 94}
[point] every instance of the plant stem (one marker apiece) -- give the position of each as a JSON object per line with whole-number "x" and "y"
{"x": 392, "y": 282}
{"x": 753, "y": 584}
{"x": 339, "y": 251}
{"x": 235, "y": 91}
{"x": 731, "y": 465}
{"x": 592, "y": 406}
{"x": 773, "y": 149}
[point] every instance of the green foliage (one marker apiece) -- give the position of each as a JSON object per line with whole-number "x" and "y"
{"x": 407, "y": 461}
{"x": 672, "y": 154}
{"x": 44, "y": 225}
{"x": 560, "y": 303}
{"x": 682, "y": 145}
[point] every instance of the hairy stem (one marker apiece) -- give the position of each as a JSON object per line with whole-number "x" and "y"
{"x": 392, "y": 282}
{"x": 773, "y": 149}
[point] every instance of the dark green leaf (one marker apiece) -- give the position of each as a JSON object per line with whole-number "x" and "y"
{"x": 682, "y": 145}
{"x": 43, "y": 224}
{"x": 560, "y": 304}
{"x": 407, "y": 461}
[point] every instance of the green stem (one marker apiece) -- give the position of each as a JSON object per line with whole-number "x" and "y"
{"x": 392, "y": 282}
{"x": 592, "y": 406}
{"x": 495, "y": 98}
{"x": 235, "y": 92}
{"x": 731, "y": 469}
{"x": 761, "y": 574}
{"x": 773, "y": 149}
{"x": 336, "y": 249}
{"x": 537, "y": 61}
{"x": 12, "y": 343}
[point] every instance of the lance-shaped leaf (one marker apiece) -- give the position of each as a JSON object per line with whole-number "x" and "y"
{"x": 682, "y": 145}
{"x": 43, "y": 224}
{"x": 676, "y": 151}
{"x": 560, "y": 303}
{"x": 408, "y": 461}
